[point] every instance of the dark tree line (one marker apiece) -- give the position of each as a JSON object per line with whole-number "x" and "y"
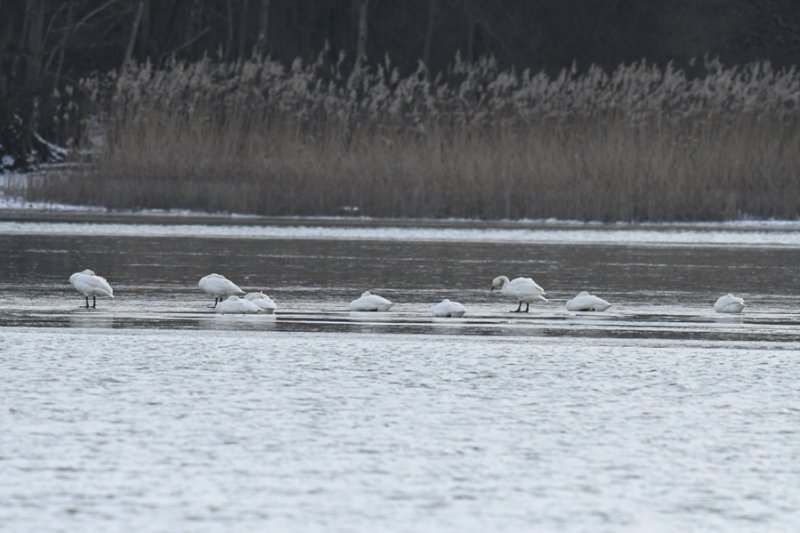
{"x": 49, "y": 44}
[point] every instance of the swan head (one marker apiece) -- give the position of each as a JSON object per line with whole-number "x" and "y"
{"x": 88, "y": 272}
{"x": 366, "y": 293}
{"x": 498, "y": 282}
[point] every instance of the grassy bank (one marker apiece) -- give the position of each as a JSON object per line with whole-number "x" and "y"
{"x": 641, "y": 143}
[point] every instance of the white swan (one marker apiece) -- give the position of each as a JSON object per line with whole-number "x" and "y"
{"x": 446, "y": 308}
{"x": 219, "y": 287}
{"x": 262, "y": 301}
{"x": 729, "y": 304}
{"x": 587, "y": 302}
{"x": 236, "y": 305}
{"x": 370, "y": 302}
{"x": 90, "y": 284}
{"x": 523, "y": 290}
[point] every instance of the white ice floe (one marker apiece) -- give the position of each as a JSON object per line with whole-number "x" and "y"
{"x": 729, "y": 304}
{"x": 370, "y": 302}
{"x": 587, "y": 302}
{"x": 446, "y": 308}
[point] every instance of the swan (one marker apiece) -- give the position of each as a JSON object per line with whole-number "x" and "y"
{"x": 523, "y": 290}
{"x": 370, "y": 302}
{"x": 219, "y": 286}
{"x": 729, "y": 304}
{"x": 587, "y": 302}
{"x": 90, "y": 284}
{"x": 262, "y": 301}
{"x": 236, "y": 305}
{"x": 446, "y": 308}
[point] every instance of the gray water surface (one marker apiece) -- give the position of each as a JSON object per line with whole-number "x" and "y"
{"x": 152, "y": 413}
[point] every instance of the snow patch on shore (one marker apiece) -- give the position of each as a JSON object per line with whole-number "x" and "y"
{"x": 666, "y": 236}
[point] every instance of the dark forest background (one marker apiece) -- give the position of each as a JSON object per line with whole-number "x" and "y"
{"x": 48, "y": 44}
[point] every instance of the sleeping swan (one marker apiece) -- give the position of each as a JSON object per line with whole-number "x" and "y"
{"x": 235, "y": 305}
{"x": 262, "y": 301}
{"x": 219, "y": 287}
{"x": 729, "y": 304}
{"x": 90, "y": 284}
{"x": 523, "y": 290}
{"x": 446, "y": 308}
{"x": 587, "y": 302}
{"x": 370, "y": 302}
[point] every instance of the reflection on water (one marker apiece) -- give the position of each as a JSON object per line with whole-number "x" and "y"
{"x": 89, "y": 318}
{"x": 151, "y": 412}
{"x": 238, "y": 322}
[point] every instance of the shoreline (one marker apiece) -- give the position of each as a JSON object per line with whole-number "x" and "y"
{"x": 93, "y": 214}
{"x": 17, "y": 209}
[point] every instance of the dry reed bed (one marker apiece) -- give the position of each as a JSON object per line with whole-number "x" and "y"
{"x": 640, "y": 143}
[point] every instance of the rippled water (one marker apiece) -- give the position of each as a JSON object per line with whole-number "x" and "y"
{"x": 152, "y": 413}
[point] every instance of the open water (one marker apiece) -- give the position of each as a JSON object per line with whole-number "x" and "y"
{"x": 151, "y": 413}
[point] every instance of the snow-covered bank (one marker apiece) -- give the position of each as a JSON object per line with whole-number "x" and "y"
{"x": 17, "y": 203}
{"x": 14, "y": 184}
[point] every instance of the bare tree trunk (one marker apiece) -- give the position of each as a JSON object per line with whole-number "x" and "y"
{"x": 13, "y": 26}
{"x": 229, "y": 40}
{"x": 361, "y": 43}
{"x": 263, "y": 29}
{"x": 472, "y": 12}
{"x": 137, "y": 19}
{"x": 194, "y": 24}
{"x": 143, "y": 39}
{"x": 35, "y": 48}
{"x": 243, "y": 19}
{"x": 33, "y": 67}
{"x": 426, "y": 52}
{"x": 63, "y": 44}
{"x": 7, "y": 35}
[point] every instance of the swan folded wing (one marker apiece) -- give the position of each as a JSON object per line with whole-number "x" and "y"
{"x": 446, "y": 308}
{"x": 236, "y": 305}
{"x": 587, "y": 302}
{"x": 536, "y": 285}
{"x": 264, "y": 304}
{"x": 360, "y": 305}
{"x": 104, "y": 287}
{"x": 217, "y": 284}
{"x": 729, "y": 304}
{"x": 525, "y": 290}
{"x": 370, "y": 302}
{"x": 90, "y": 285}
{"x": 263, "y": 301}
{"x": 206, "y": 282}
{"x": 578, "y": 303}
{"x": 380, "y": 303}
{"x": 228, "y": 287}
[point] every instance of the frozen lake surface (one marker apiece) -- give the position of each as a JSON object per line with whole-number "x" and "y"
{"x": 151, "y": 413}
